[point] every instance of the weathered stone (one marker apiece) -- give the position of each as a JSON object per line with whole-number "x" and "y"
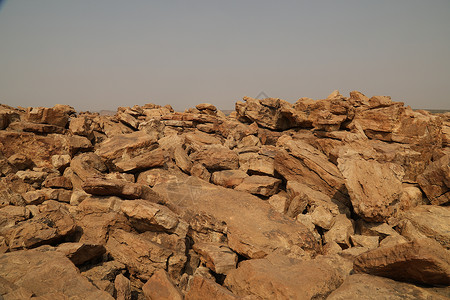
{"x": 160, "y": 287}
{"x": 259, "y": 185}
{"x": 49, "y": 275}
{"x": 370, "y": 242}
{"x": 278, "y": 277}
{"x": 58, "y": 182}
{"x": 141, "y": 256}
{"x": 82, "y": 125}
{"x": 147, "y": 160}
{"x": 216, "y": 157}
{"x": 199, "y": 170}
{"x": 205, "y": 289}
{"x": 374, "y": 188}
{"x": 258, "y": 231}
{"x": 228, "y": 178}
{"x": 88, "y": 165}
{"x": 279, "y": 202}
{"x": 219, "y": 258}
{"x": 368, "y": 287}
{"x": 123, "y": 287}
{"x": 435, "y": 181}
{"x": 322, "y": 217}
{"x": 80, "y": 253}
{"x": 341, "y": 231}
{"x": 420, "y": 261}
{"x": 182, "y": 159}
{"x": 20, "y": 161}
{"x": 121, "y": 188}
{"x": 34, "y": 178}
{"x": 61, "y": 162}
{"x": 104, "y": 271}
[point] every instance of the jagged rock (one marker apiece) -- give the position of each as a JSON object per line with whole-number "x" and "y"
{"x": 367, "y": 287}
{"x": 258, "y": 231}
{"x": 279, "y": 202}
{"x": 34, "y": 178}
{"x": 87, "y": 165}
{"x": 322, "y": 217}
{"x": 199, "y": 170}
{"x": 257, "y": 164}
{"x": 287, "y": 278}
{"x": 61, "y": 162}
{"x": 121, "y": 188}
{"x": 259, "y": 185}
{"x": 58, "y": 182}
{"x": 419, "y": 261}
{"x": 20, "y": 161}
{"x": 79, "y": 253}
{"x": 104, "y": 271}
{"x": 182, "y": 159}
{"x": 370, "y": 242}
{"x": 160, "y": 287}
{"x": 205, "y": 289}
{"x": 82, "y": 125}
{"x": 51, "y": 224}
{"x": 58, "y": 115}
{"x": 216, "y": 157}
{"x": 142, "y": 257}
{"x": 435, "y": 181}
{"x": 49, "y": 275}
{"x": 147, "y": 160}
{"x": 219, "y": 258}
{"x": 123, "y": 287}
{"x": 228, "y": 178}
{"x": 341, "y": 231}
{"x": 374, "y": 188}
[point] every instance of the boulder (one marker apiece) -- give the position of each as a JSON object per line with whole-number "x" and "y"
{"x": 219, "y": 258}
{"x": 374, "y": 188}
{"x": 147, "y": 160}
{"x": 43, "y": 115}
{"x": 205, "y": 289}
{"x": 49, "y": 275}
{"x": 228, "y": 178}
{"x": 123, "y": 287}
{"x": 435, "y": 181}
{"x": 421, "y": 261}
{"x": 216, "y": 157}
{"x": 368, "y": 287}
{"x": 259, "y": 185}
{"x": 87, "y": 165}
{"x": 80, "y": 253}
{"x": 160, "y": 287}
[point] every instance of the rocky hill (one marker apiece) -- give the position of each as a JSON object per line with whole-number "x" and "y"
{"x": 340, "y": 198}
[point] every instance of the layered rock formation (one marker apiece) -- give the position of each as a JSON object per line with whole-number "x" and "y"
{"x": 340, "y": 198}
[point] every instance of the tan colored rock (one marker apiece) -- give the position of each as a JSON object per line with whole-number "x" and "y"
{"x": 219, "y": 258}
{"x": 141, "y": 256}
{"x": 341, "y": 231}
{"x": 205, "y": 289}
{"x": 322, "y": 217}
{"x": 421, "y": 261}
{"x": 216, "y": 157}
{"x": 205, "y": 106}
{"x": 104, "y": 271}
{"x": 80, "y": 253}
{"x": 58, "y": 182}
{"x": 228, "y": 178}
{"x": 182, "y": 159}
{"x": 259, "y": 185}
{"x": 82, "y": 125}
{"x": 44, "y": 115}
{"x": 87, "y": 165}
{"x": 147, "y": 160}
{"x": 121, "y": 188}
{"x": 368, "y": 287}
{"x": 278, "y": 277}
{"x": 435, "y": 181}
{"x": 127, "y": 119}
{"x": 34, "y": 178}
{"x": 370, "y": 242}
{"x": 279, "y": 202}
{"x": 258, "y": 230}
{"x": 49, "y": 275}
{"x": 199, "y": 170}
{"x": 61, "y": 162}
{"x": 160, "y": 287}
{"x": 123, "y": 287}
{"x": 374, "y": 188}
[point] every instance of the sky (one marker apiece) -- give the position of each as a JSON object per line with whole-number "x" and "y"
{"x": 102, "y": 54}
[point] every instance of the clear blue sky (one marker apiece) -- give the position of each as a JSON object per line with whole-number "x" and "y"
{"x": 100, "y": 54}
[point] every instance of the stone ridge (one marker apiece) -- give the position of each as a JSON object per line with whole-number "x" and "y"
{"x": 333, "y": 198}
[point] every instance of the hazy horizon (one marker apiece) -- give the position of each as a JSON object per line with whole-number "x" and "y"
{"x": 98, "y": 55}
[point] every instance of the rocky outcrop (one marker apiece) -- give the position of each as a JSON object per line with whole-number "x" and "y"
{"x": 274, "y": 201}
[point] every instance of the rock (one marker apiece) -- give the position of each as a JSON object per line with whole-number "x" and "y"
{"x": 146, "y": 216}
{"x": 279, "y": 202}
{"x": 34, "y": 178}
{"x": 127, "y": 119}
{"x": 278, "y": 277}
{"x": 257, "y": 232}
{"x": 52, "y": 224}
{"x": 199, "y": 170}
{"x": 160, "y": 287}
{"x": 121, "y": 188}
{"x": 61, "y": 162}
{"x": 322, "y": 217}
{"x": 228, "y": 178}
{"x": 58, "y": 182}
{"x": 82, "y": 125}
{"x": 430, "y": 221}
{"x": 44, "y": 115}
{"x": 123, "y": 287}
{"x": 259, "y": 185}
{"x": 104, "y": 271}
{"x": 182, "y": 159}
{"x": 205, "y": 289}
{"x": 367, "y": 287}
{"x": 370, "y": 242}
{"x": 147, "y": 160}
{"x": 88, "y": 165}
{"x": 340, "y": 232}
{"x": 435, "y": 181}
{"x": 205, "y": 106}
{"x": 219, "y": 258}
{"x": 216, "y": 157}
{"x": 256, "y": 164}
{"x": 80, "y": 253}
{"x": 20, "y": 161}
{"x": 420, "y": 261}
{"x": 374, "y": 188}
{"x": 141, "y": 256}
{"x": 49, "y": 275}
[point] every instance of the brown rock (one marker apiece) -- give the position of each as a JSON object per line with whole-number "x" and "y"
{"x": 147, "y": 160}
{"x": 104, "y": 271}
{"x": 82, "y": 125}
{"x": 259, "y": 185}
{"x": 205, "y": 289}
{"x": 182, "y": 159}
{"x": 49, "y": 275}
{"x": 435, "y": 181}
{"x": 20, "y": 161}
{"x": 160, "y": 287}
{"x": 374, "y": 188}
{"x": 367, "y": 287}
{"x": 219, "y": 258}
{"x": 141, "y": 256}
{"x": 278, "y": 277}
{"x": 43, "y": 115}
{"x": 80, "y": 253}
{"x": 88, "y": 165}
{"x": 58, "y": 182}
{"x": 216, "y": 157}
{"x": 205, "y": 106}
{"x": 341, "y": 231}
{"x": 257, "y": 231}
{"x": 121, "y": 188}
{"x": 61, "y": 162}
{"x": 420, "y": 261}
{"x": 123, "y": 287}
{"x": 228, "y": 178}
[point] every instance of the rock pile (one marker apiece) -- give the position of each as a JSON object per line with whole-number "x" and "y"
{"x": 340, "y": 198}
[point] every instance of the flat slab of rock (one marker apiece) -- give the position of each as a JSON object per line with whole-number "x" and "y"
{"x": 254, "y": 228}
{"x": 278, "y": 277}
{"x": 259, "y": 185}
{"x": 367, "y": 287}
{"x": 373, "y": 187}
{"x": 217, "y": 257}
{"x": 420, "y": 261}
{"x": 47, "y": 274}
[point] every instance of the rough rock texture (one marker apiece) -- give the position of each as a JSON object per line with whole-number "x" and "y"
{"x": 273, "y": 201}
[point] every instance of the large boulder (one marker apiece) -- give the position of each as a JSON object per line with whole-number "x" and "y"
{"x": 435, "y": 181}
